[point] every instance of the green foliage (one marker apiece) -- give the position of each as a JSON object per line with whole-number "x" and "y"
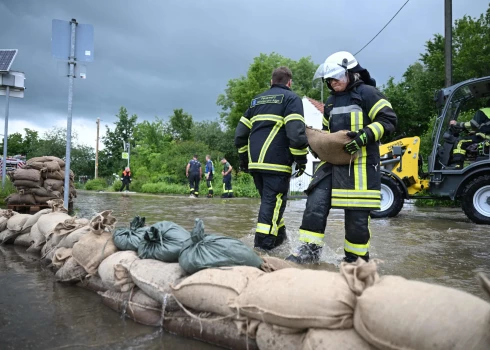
{"x": 7, "y": 190}
{"x": 116, "y": 186}
{"x": 165, "y": 188}
{"x": 181, "y": 125}
{"x": 79, "y": 185}
{"x": 429, "y": 203}
{"x": 98, "y": 184}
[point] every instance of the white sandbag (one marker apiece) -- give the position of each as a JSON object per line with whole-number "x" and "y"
{"x": 60, "y": 256}
{"x": 5, "y": 215}
{"x": 69, "y": 240}
{"x": 23, "y": 240}
{"x": 37, "y": 238}
{"x": 270, "y": 337}
{"x": 272, "y": 264}
{"x": 121, "y": 282}
{"x": 211, "y": 290}
{"x": 334, "y": 339}
{"x": 154, "y": 278}
{"x": 7, "y": 236}
{"x": 399, "y": 314}
{"x": 298, "y": 299}
{"x": 70, "y": 272}
{"x": 48, "y": 222}
{"x": 34, "y": 218}
{"x": 16, "y": 222}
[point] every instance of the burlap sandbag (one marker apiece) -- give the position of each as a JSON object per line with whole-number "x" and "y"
{"x": 211, "y": 290}
{"x": 399, "y": 314}
{"x": 43, "y": 192}
{"x": 57, "y": 205}
{"x": 46, "y": 159}
{"x": 270, "y": 337}
{"x": 92, "y": 283}
{"x": 334, "y": 339}
{"x": 298, "y": 299}
{"x": 37, "y": 239}
{"x": 43, "y": 200}
{"x": 51, "y": 166}
{"x": 135, "y": 305}
{"x": 27, "y": 184}
{"x": 23, "y": 240}
{"x": 330, "y": 146}
{"x": 46, "y": 223}
{"x": 121, "y": 282}
{"x": 26, "y": 174}
{"x": 484, "y": 282}
{"x": 155, "y": 277}
{"x": 18, "y": 198}
{"x": 70, "y": 272}
{"x": 5, "y": 215}
{"x": 16, "y": 222}
{"x": 34, "y": 165}
{"x": 60, "y": 256}
{"x": 359, "y": 275}
{"x": 272, "y": 264}
{"x": 34, "y": 218}
{"x": 53, "y": 185}
{"x": 69, "y": 240}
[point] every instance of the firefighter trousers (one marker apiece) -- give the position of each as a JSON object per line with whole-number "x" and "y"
{"x": 459, "y": 152}
{"x": 273, "y": 190}
{"x": 209, "y": 183}
{"x": 194, "y": 180}
{"x": 227, "y": 190}
{"x": 356, "y": 222}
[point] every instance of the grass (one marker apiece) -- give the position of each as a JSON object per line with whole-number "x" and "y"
{"x": 6, "y": 191}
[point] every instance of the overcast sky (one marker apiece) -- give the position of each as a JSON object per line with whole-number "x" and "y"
{"x": 152, "y": 56}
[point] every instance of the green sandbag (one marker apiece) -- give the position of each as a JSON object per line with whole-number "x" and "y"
{"x": 202, "y": 251}
{"x": 130, "y": 238}
{"x": 163, "y": 241}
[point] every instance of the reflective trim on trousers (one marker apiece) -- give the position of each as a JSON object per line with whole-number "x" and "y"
{"x": 263, "y": 228}
{"x": 311, "y": 237}
{"x": 358, "y": 249}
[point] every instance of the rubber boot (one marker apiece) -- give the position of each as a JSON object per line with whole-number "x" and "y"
{"x": 265, "y": 242}
{"x": 308, "y": 253}
{"x": 281, "y": 236}
{"x": 352, "y": 258}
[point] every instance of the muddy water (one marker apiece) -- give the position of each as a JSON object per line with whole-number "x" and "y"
{"x": 431, "y": 245}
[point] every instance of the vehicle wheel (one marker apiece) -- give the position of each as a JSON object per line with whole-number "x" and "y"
{"x": 392, "y": 198}
{"x": 475, "y": 200}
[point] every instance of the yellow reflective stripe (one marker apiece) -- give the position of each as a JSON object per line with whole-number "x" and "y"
{"x": 377, "y": 107}
{"x": 358, "y": 202}
{"x": 325, "y": 122}
{"x": 246, "y": 122}
{"x": 377, "y": 130}
{"x": 311, "y": 237}
{"x": 373, "y": 194}
{"x": 298, "y": 152}
{"x": 249, "y": 155}
{"x": 268, "y": 142}
{"x": 243, "y": 149}
{"x": 459, "y": 151}
{"x": 263, "y": 228}
{"x": 319, "y": 166}
{"x": 483, "y": 136}
{"x": 359, "y": 166}
{"x": 358, "y": 249}
{"x": 292, "y": 117}
{"x": 275, "y": 216}
{"x": 268, "y": 166}
{"x": 281, "y": 223}
{"x": 268, "y": 117}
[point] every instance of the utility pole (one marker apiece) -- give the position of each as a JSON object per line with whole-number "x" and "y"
{"x": 97, "y": 150}
{"x": 5, "y": 137}
{"x": 448, "y": 45}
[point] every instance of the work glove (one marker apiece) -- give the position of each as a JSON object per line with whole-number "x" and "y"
{"x": 244, "y": 162}
{"x": 456, "y": 128}
{"x": 359, "y": 140}
{"x": 313, "y": 153}
{"x": 300, "y": 166}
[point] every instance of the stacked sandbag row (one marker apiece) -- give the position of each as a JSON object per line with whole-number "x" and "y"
{"x": 41, "y": 179}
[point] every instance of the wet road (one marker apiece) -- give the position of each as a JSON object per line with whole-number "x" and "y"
{"x": 436, "y": 245}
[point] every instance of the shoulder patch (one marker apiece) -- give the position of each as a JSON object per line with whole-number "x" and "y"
{"x": 262, "y": 100}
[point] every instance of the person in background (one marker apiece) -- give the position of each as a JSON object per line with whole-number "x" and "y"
{"x": 209, "y": 172}
{"x": 227, "y": 168}
{"x": 126, "y": 179}
{"x": 193, "y": 171}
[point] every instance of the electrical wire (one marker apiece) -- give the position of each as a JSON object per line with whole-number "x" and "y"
{"x": 382, "y": 28}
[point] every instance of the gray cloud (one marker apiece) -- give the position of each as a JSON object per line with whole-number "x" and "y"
{"x": 154, "y": 56}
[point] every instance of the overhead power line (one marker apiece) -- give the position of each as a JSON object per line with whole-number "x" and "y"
{"x": 386, "y": 25}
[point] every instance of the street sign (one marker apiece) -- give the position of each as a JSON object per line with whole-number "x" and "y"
{"x": 61, "y": 40}
{"x": 125, "y": 155}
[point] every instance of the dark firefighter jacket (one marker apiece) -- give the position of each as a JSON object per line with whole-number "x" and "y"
{"x": 272, "y": 131}
{"x": 357, "y": 185}
{"x": 480, "y": 123}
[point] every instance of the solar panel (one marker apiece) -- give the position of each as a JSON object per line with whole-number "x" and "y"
{"x": 6, "y": 59}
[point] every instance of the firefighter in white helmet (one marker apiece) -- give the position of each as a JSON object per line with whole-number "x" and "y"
{"x": 355, "y": 105}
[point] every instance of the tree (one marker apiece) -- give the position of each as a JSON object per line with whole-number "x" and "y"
{"x": 15, "y": 144}
{"x": 181, "y": 124}
{"x": 240, "y": 91}
{"x": 31, "y": 142}
{"x": 83, "y": 160}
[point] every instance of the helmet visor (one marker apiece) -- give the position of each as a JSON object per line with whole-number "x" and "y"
{"x": 335, "y": 72}
{"x": 318, "y": 77}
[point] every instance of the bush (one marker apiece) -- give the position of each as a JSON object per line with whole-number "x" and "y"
{"x": 116, "y": 186}
{"x": 79, "y": 186}
{"x": 165, "y": 188}
{"x": 7, "y": 190}
{"x": 98, "y": 184}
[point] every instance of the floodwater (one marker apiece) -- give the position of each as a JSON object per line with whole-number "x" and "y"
{"x": 437, "y": 245}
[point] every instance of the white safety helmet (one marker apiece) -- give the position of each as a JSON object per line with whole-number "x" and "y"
{"x": 337, "y": 64}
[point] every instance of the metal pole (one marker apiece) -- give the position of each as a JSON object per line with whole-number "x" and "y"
{"x": 322, "y": 90}
{"x": 97, "y": 150}
{"x": 5, "y": 136}
{"x": 448, "y": 27}
{"x": 71, "y": 63}
{"x": 129, "y": 152}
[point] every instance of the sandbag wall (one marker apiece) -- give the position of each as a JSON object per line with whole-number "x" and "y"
{"x": 41, "y": 180}
{"x": 273, "y": 305}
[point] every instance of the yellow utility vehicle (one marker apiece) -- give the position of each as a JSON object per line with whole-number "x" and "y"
{"x": 402, "y": 166}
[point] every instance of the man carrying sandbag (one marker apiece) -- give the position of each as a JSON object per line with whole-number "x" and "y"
{"x": 269, "y": 137}
{"x": 361, "y": 108}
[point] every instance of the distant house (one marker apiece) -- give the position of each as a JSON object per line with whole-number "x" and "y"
{"x": 313, "y": 111}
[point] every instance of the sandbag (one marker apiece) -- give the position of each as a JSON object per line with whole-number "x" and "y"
{"x": 202, "y": 251}
{"x": 70, "y": 272}
{"x": 272, "y": 264}
{"x": 5, "y": 215}
{"x": 130, "y": 238}
{"x": 34, "y": 165}
{"x": 23, "y": 240}
{"x": 16, "y": 222}
{"x": 154, "y": 278}
{"x": 28, "y": 184}
{"x": 45, "y": 159}
{"x": 399, "y": 314}
{"x": 55, "y": 175}
{"x": 8, "y": 237}
{"x": 34, "y": 218}
{"x": 484, "y": 282}
{"x": 359, "y": 275}
{"x": 18, "y": 198}
{"x": 53, "y": 185}
{"x": 26, "y": 174}
{"x": 210, "y": 290}
{"x": 163, "y": 241}
{"x": 330, "y": 146}
{"x": 92, "y": 283}
{"x": 57, "y": 205}
{"x": 37, "y": 238}
{"x": 121, "y": 282}
{"x": 328, "y": 339}
{"x": 43, "y": 192}
{"x": 96, "y": 245}
{"x": 46, "y": 223}
{"x": 51, "y": 166}
{"x": 60, "y": 256}
{"x": 69, "y": 240}
{"x": 135, "y": 305}
{"x": 322, "y": 299}
{"x": 272, "y": 338}
{"x": 43, "y": 200}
